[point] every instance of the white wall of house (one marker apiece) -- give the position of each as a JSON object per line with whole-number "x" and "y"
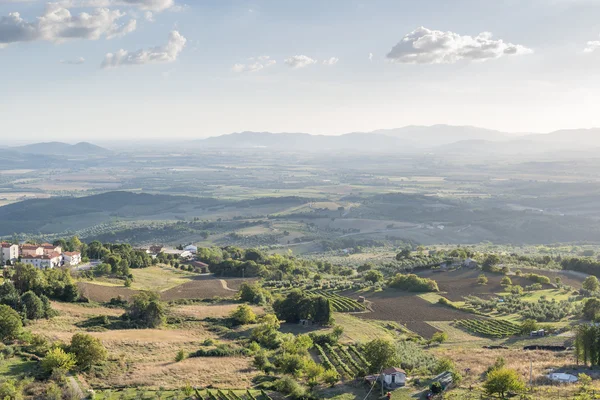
{"x": 395, "y": 378}
{"x": 9, "y": 253}
{"x": 73, "y": 259}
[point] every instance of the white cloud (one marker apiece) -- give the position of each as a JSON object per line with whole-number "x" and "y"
{"x": 57, "y": 24}
{"x": 331, "y": 61}
{"x": 592, "y": 46}
{"x": 76, "y": 61}
{"x": 160, "y": 54}
{"x": 148, "y": 5}
{"x": 370, "y": 56}
{"x": 255, "y": 64}
{"x": 149, "y": 16}
{"x": 300, "y": 61}
{"x": 425, "y": 46}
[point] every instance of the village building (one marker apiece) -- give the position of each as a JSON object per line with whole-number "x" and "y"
{"x": 72, "y": 257}
{"x": 9, "y": 253}
{"x": 43, "y": 261}
{"x": 49, "y": 249}
{"x": 199, "y": 266}
{"x": 31, "y": 250}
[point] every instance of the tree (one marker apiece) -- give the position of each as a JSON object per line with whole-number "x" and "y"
{"x": 374, "y": 276}
{"x": 404, "y": 253}
{"x": 436, "y": 388}
{"x": 147, "y": 310}
{"x": 365, "y": 267}
{"x": 591, "y": 284}
{"x": 490, "y": 261}
{"x": 180, "y": 355}
{"x": 529, "y": 325}
{"x": 439, "y": 337}
{"x": 243, "y": 315}
{"x": 381, "y": 353}
{"x": 482, "y": 279}
{"x": 88, "y": 350}
{"x": 313, "y": 372}
{"x": 506, "y": 281}
{"x": 443, "y": 365}
{"x": 32, "y": 305}
{"x": 591, "y": 309}
{"x": 10, "y": 323}
{"x": 58, "y": 361}
{"x": 502, "y": 381}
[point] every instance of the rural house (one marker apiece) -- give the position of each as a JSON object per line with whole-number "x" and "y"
{"x": 394, "y": 378}
{"x": 9, "y": 253}
{"x": 49, "y": 249}
{"x": 43, "y": 261}
{"x": 72, "y": 257}
{"x": 31, "y": 250}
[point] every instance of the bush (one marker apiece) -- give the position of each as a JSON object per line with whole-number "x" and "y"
{"x": 482, "y": 279}
{"x": 413, "y": 283}
{"x": 243, "y": 315}
{"x": 331, "y": 377}
{"x": 436, "y": 388}
{"x": 506, "y": 281}
{"x": 88, "y": 350}
{"x": 541, "y": 279}
{"x": 180, "y": 356}
{"x": 58, "y": 361}
{"x": 288, "y": 385}
{"x": 439, "y": 337}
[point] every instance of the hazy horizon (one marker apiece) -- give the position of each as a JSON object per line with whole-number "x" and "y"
{"x": 81, "y": 70}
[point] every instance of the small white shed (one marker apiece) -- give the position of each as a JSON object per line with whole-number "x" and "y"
{"x": 394, "y": 377}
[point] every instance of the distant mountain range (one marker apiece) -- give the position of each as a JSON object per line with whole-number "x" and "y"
{"x": 62, "y": 149}
{"x": 436, "y": 139}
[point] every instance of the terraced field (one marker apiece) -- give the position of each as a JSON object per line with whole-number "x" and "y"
{"x": 341, "y": 303}
{"x": 346, "y": 360}
{"x": 489, "y": 327}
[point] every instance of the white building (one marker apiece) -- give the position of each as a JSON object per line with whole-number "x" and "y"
{"x": 191, "y": 248}
{"x": 72, "y": 257}
{"x": 8, "y": 253}
{"x": 44, "y": 261}
{"x": 394, "y": 377}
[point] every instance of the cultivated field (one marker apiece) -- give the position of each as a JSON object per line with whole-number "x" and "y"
{"x": 410, "y": 311}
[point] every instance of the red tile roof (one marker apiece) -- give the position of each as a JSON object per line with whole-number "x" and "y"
{"x": 393, "y": 370}
{"x": 30, "y": 246}
{"x": 6, "y": 245}
{"x": 72, "y": 253}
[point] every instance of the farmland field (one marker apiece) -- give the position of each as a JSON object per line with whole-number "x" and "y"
{"x": 411, "y": 311}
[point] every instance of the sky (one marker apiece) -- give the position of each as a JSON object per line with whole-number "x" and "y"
{"x": 76, "y": 70}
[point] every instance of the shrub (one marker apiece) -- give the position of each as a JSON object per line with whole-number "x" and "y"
{"x": 506, "y": 281}
{"x": 288, "y": 385}
{"x": 180, "y": 355}
{"x": 439, "y": 337}
{"x": 58, "y": 361}
{"x": 591, "y": 284}
{"x": 482, "y": 279}
{"x": 331, "y": 377}
{"x": 502, "y": 381}
{"x": 243, "y": 315}
{"x": 541, "y": 279}
{"x": 88, "y": 350}
{"x": 436, "y": 388}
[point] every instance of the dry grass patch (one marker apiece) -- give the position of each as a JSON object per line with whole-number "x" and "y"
{"x": 221, "y": 372}
{"x": 479, "y": 359}
{"x": 202, "y": 311}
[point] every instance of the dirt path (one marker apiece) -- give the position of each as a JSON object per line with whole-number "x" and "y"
{"x": 224, "y": 284}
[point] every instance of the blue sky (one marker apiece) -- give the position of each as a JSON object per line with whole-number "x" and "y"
{"x": 206, "y": 67}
